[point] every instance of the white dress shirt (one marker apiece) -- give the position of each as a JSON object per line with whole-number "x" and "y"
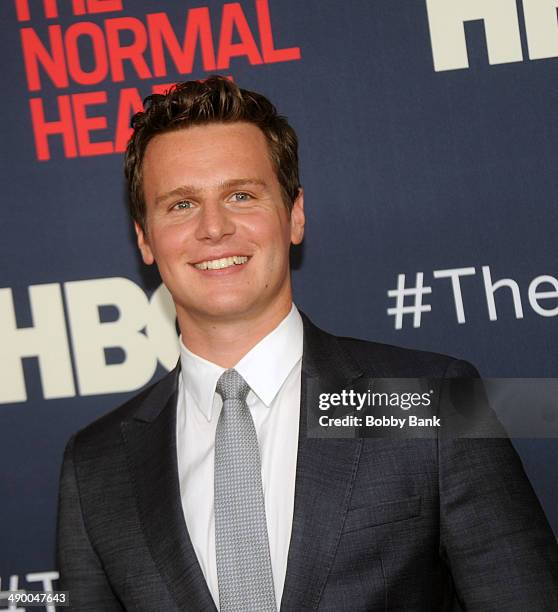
{"x": 272, "y": 369}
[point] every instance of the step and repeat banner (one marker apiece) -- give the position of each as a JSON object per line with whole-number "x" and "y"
{"x": 429, "y": 147}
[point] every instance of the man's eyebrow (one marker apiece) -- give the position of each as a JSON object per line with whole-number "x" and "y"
{"x": 184, "y": 190}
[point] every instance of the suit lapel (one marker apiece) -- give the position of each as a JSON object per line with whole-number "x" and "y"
{"x": 324, "y": 477}
{"x": 150, "y": 441}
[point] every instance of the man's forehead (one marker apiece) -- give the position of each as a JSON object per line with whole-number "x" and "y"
{"x": 213, "y": 130}
{"x": 209, "y": 156}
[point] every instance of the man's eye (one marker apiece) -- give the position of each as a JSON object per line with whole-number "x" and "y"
{"x": 241, "y": 196}
{"x": 183, "y": 205}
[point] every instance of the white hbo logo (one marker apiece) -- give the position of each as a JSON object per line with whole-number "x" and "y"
{"x": 446, "y": 19}
{"x": 144, "y": 331}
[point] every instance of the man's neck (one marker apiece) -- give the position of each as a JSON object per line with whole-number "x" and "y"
{"x": 225, "y": 342}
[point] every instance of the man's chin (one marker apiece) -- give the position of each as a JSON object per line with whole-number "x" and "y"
{"x": 225, "y": 310}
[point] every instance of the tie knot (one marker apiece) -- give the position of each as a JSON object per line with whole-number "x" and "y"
{"x": 231, "y": 385}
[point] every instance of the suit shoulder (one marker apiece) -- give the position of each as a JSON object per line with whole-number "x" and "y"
{"x": 375, "y": 359}
{"x": 390, "y": 361}
{"x": 105, "y": 431}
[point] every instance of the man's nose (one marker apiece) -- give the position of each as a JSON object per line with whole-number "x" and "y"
{"x": 214, "y": 222}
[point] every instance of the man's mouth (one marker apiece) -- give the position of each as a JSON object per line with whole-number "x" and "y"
{"x": 219, "y": 264}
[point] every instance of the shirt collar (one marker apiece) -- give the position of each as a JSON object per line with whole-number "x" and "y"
{"x": 265, "y": 367}
{"x": 200, "y": 377}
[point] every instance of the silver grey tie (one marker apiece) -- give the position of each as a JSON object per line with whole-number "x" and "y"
{"x": 241, "y": 543}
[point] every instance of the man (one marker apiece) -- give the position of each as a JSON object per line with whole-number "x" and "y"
{"x": 204, "y": 492}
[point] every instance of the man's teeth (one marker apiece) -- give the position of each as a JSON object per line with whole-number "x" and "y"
{"x": 218, "y": 264}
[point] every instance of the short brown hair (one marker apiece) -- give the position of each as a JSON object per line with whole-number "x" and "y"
{"x": 215, "y": 100}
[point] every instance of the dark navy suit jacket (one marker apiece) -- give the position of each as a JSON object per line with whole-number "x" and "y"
{"x": 379, "y": 524}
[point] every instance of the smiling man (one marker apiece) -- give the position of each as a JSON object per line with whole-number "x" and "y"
{"x": 217, "y": 223}
{"x": 205, "y": 491}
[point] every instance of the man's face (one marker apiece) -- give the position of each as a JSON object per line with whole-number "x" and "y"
{"x": 216, "y": 224}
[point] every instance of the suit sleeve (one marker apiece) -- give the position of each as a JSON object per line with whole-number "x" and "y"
{"x": 81, "y": 571}
{"x": 494, "y": 535}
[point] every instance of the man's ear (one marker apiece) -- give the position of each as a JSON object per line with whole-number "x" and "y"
{"x": 143, "y": 245}
{"x": 297, "y": 218}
